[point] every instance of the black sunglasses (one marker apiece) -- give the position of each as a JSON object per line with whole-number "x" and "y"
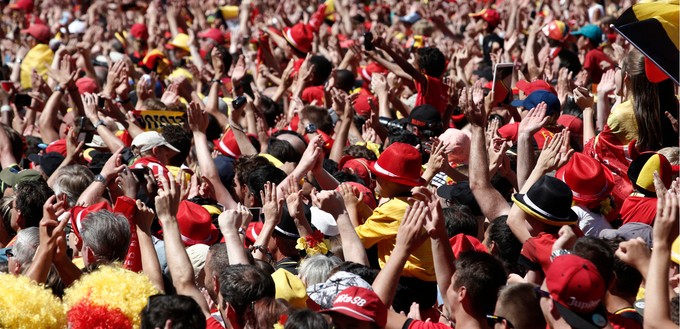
{"x": 493, "y": 319}
{"x": 9, "y": 253}
{"x": 541, "y": 293}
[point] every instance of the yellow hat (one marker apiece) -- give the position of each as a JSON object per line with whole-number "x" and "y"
{"x": 229, "y": 12}
{"x": 290, "y": 288}
{"x": 180, "y": 41}
{"x": 675, "y": 251}
{"x": 272, "y": 159}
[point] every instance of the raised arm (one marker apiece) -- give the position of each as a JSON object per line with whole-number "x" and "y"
{"x": 352, "y": 248}
{"x": 230, "y": 222}
{"x": 150, "y": 264}
{"x": 272, "y": 208}
{"x": 400, "y": 61}
{"x": 531, "y": 124}
{"x": 181, "y": 271}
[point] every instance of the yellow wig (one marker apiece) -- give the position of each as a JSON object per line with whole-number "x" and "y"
{"x": 25, "y": 304}
{"x": 110, "y": 297}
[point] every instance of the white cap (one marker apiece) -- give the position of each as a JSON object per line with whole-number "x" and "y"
{"x": 150, "y": 139}
{"x": 324, "y": 222}
{"x": 77, "y": 27}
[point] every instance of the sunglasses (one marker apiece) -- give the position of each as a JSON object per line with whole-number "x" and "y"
{"x": 493, "y": 319}
{"x": 9, "y": 253}
{"x": 541, "y": 293}
{"x": 440, "y": 309}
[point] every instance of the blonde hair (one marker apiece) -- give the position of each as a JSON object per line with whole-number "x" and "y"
{"x": 26, "y": 304}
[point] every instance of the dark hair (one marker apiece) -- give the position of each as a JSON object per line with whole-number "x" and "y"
{"x": 432, "y": 60}
{"x": 482, "y": 275}
{"x": 214, "y": 130}
{"x": 599, "y": 253}
{"x": 367, "y": 273}
{"x": 360, "y": 151}
{"x": 675, "y": 310}
{"x": 264, "y": 313}
{"x": 17, "y": 143}
{"x": 322, "y": 69}
{"x": 219, "y": 258}
{"x": 270, "y": 109}
{"x": 320, "y": 117}
{"x": 306, "y": 319}
{"x": 402, "y": 136}
{"x": 508, "y": 247}
{"x": 282, "y": 150}
{"x": 183, "y": 311}
{"x": 628, "y": 279}
{"x": 180, "y": 139}
{"x": 30, "y": 199}
{"x": 246, "y": 164}
{"x": 645, "y": 98}
{"x": 224, "y": 55}
{"x": 261, "y": 176}
{"x": 345, "y": 80}
{"x": 241, "y": 285}
{"x": 344, "y": 176}
{"x": 458, "y": 218}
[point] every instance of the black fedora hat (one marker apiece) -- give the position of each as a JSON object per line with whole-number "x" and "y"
{"x": 548, "y": 200}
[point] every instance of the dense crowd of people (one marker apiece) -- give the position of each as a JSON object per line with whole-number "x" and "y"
{"x": 303, "y": 164}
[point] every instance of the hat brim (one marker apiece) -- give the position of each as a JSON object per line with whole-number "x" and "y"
{"x": 286, "y": 33}
{"x": 606, "y": 190}
{"x": 213, "y": 236}
{"x": 399, "y": 180}
{"x": 519, "y": 200}
{"x": 35, "y": 158}
{"x": 595, "y": 320}
{"x": 349, "y": 312}
{"x": 518, "y": 103}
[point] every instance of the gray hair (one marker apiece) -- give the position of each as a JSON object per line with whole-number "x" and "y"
{"x": 315, "y": 269}
{"x": 72, "y": 181}
{"x": 26, "y": 245}
{"x": 107, "y": 234}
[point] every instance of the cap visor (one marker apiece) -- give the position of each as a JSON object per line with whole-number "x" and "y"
{"x": 517, "y": 103}
{"x": 35, "y": 158}
{"x": 444, "y": 191}
{"x": 595, "y": 320}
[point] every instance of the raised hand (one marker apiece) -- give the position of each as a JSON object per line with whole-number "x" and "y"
{"x": 272, "y": 204}
{"x": 167, "y": 200}
{"x": 350, "y": 196}
{"x": 556, "y": 152}
{"x": 411, "y": 233}
{"x": 635, "y": 253}
{"x": 434, "y": 224}
{"x": 198, "y": 120}
{"x": 144, "y": 216}
{"x": 584, "y": 99}
{"x": 534, "y": 120}
{"x": 607, "y": 83}
{"x": 331, "y": 202}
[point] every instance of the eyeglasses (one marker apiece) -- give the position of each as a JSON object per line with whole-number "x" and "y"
{"x": 440, "y": 309}
{"x": 541, "y": 293}
{"x": 9, "y": 253}
{"x": 493, "y": 319}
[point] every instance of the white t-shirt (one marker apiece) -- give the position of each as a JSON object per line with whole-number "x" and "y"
{"x": 589, "y": 222}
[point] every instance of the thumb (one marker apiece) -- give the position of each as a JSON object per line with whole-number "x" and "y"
{"x": 361, "y": 197}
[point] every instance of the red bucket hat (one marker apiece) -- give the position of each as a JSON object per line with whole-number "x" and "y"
{"x": 399, "y": 163}
{"x": 228, "y": 145}
{"x": 195, "y": 224}
{"x": 300, "y": 36}
{"x": 587, "y": 178}
{"x": 367, "y": 71}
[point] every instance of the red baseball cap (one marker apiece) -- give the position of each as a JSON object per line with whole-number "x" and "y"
{"x": 212, "y": 34}
{"x": 39, "y": 31}
{"x": 577, "y": 289}
{"x": 139, "y": 31}
{"x": 367, "y": 71}
{"x": 300, "y": 36}
{"x": 361, "y": 304}
{"x": 490, "y": 16}
{"x": 529, "y": 87}
{"x": 26, "y": 5}
{"x": 87, "y": 85}
{"x": 399, "y": 163}
{"x": 58, "y": 146}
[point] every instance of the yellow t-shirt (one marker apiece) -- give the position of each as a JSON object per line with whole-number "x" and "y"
{"x": 622, "y": 122}
{"x": 381, "y": 228}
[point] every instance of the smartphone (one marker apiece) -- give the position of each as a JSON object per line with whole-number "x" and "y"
{"x": 7, "y": 85}
{"x": 368, "y": 41}
{"x": 22, "y": 100}
{"x": 101, "y": 102}
{"x": 139, "y": 173}
{"x": 239, "y": 102}
{"x": 85, "y": 136}
{"x": 502, "y": 82}
{"x": 256, "y": 211}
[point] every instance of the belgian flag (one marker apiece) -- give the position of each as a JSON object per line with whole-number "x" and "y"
{"x": 652, "y": 28}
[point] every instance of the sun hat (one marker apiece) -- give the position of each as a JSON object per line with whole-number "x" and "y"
{"x": 12, "y": 179}
{"x": 195, "y": 224}
{"x": 300, "y": 37}
{"x": 324, "y": 222}
{"x": 361, "y": 304}
{"x": 587, "y": 178}
{"x": 577, "y": 289}
{"x": 548, "y": 200}
{"x": 399, "y": 163}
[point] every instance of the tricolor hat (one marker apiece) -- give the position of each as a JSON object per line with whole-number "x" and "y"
{"x": 556, "y": 30}
{"x": 399, "y": 163}
{"x": 548, "y": 200}
{"x": 300, "y": 36}
{"x": 490, "y": 16}
{"x": 79, "y": 214}
{"x": 195, "y": 224}
{"x": 587, "y": 178}
{"x": 641, "y": 172}
{"x": 577, "y": 289}
{"x": 361, "y": 304}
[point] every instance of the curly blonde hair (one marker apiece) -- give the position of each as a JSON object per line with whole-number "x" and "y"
{"x": 26, "y": 304}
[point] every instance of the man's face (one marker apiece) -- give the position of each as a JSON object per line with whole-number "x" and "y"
{"x": 15, "y": 221}
{"x": 546, "y": 305}
{"x": 581, "y": 42}
{"x": 208, "y": 280}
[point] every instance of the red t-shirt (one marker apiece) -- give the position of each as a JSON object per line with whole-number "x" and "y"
{"x": 626, "y": 319}
{"x": 638, "y": 209}
{"x": 211, "y": 323}
{"x": 591, "y": 63}
{"x": 434, "y": 92}
{"x": 154, "y": 164}
{"x": 511, "y": 130}
{"x": 419, "y": 324}
{"x": 536, "y": 251}
{"x": 310, "y": 94}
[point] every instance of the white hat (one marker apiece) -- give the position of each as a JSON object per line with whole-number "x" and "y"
{"x": 197, "y": 254}
{"x": 324, "y": 222}
{"x": 150, "y": 139}
{"x": 97, "y": 142}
